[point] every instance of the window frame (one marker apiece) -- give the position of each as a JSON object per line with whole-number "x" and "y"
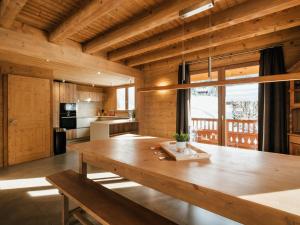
{"x": 126, "y": 97}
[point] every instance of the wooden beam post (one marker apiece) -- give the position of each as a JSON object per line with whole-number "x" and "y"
{"x": 9, "y": 9}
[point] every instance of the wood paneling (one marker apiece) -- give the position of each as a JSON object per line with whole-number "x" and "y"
{"x": 29, "y": 117}
{"x": 9, "y": 9}
{"x": 238, "y": 14}
{"x": 27, "y": 45}
{"x": 266, "y": 25}
{"x": 160, "y": 15}
{"x": 82, "y": 18}
{"x": 276, "y": 38}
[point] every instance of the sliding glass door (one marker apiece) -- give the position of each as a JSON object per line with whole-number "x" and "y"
{"x": 204, "y": 111}
{"x": 227, "y": 115}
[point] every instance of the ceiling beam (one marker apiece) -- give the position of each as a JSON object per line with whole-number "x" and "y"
{"x": 82, "y": 18}
{"x": 164, "y": 13}
{"x": 275, "y": 22}
{"x": 28, "y": 45}
{"x": 259, "y": 42}
{"x": 9, "y": 9}
{"x": 232, "y": 16}
{"x": 295, "y": 67}
{"x": 253, "y": 80}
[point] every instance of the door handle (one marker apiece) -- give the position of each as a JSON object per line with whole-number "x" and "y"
{"x": 12, "y": 121}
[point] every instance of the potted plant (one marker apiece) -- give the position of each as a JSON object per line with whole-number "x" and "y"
{"x": 181, "y": 140}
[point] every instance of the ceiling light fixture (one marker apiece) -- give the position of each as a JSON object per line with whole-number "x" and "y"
{"x": 99, "y": 73}
{"x": 197, "y": 8}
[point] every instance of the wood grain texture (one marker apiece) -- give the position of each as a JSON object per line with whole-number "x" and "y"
{"x": 264, "y": 79}
{"x": 250, "y": 187}
{"x": 106, "y": 206}
{"x": 165, "y": 13}
{"x": 9, "y": 9}
{"x": 29, "y": 116}
{"x": 10, "y": 68}
{"x": 82, "y": 18}
{"x": 264, "y": 41}
{"x": 29, "y": 46}
{"x": 238, "y": 14}
{"x": 266, "y": 25}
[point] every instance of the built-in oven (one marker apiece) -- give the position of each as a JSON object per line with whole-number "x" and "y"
{"x": 67, "y": 115}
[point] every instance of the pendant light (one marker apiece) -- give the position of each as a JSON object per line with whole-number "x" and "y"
{"x": 209, "y": 51}
{"x": 183, "y": 58}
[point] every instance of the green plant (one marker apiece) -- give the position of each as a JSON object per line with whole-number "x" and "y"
{"x": 182, "y": 137}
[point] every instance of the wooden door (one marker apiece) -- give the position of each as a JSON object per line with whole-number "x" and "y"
{"x": 29, "y": 118}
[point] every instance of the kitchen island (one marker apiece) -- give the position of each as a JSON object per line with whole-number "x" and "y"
{"x": 101, "y": 130}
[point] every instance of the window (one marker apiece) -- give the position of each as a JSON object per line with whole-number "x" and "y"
{"x": 131, "y": 98}
{"x": 121, "y": 99}
{"x": 226, "y": 115}
{"x": 126, "y": 98}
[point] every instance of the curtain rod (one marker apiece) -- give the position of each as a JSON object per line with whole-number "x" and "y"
{"x": 234, "y": 54}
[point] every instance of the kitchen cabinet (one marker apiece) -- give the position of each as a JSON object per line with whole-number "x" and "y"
{"x": 89, "y": 96}
{"x": 55, "y": 104}
{"x": 67, "y": 93}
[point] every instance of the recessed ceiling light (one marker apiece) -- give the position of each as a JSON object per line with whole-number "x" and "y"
{"x": 99, "y": 73}
{"x": 47, "y": 60}
{"x": 197, "y": 8}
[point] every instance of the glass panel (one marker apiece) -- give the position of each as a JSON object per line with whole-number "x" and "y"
{"x": 121, "y": 103}
{"x": 241, "y": 116}
{"x": 131, "y": 98}
{"x": 204, "y": 112}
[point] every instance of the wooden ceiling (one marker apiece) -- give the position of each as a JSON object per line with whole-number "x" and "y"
{"x": 47, "y": 15}
{"x": 136, "y": 33}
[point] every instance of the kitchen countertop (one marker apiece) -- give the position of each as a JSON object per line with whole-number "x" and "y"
{"x": 119, "y": 121}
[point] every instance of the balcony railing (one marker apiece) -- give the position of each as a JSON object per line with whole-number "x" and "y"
{"x": 238, "y": 133}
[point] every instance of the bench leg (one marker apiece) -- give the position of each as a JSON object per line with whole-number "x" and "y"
{"x": 82, "y": 166}
{"x": 65, "y": 210}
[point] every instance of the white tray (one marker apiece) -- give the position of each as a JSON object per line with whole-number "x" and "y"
{"x": 190, "y": 153}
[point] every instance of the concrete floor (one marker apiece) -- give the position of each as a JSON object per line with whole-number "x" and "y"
{"x": 20, "y": 185}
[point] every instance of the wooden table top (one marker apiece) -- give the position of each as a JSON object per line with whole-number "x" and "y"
{"x": 236, "y": 183}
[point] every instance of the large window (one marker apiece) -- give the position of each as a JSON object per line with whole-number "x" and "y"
{"x": 125, "y": 98}
{"x": 226, "y": 115}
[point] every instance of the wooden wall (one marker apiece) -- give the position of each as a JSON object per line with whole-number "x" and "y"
{"x": 159, "y": 109}
{"x": 9, "y": 68}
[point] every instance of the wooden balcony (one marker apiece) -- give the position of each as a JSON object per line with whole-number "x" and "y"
{"x": 238, "y": 133}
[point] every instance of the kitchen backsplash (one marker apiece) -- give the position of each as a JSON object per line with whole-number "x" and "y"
{"x": 86, "y": 109}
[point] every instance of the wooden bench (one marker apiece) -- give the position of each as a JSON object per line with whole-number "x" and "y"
{"x": 104, "y": 205}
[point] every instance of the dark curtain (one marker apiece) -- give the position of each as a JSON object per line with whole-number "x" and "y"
{"x": 183, "y": 101}
{"x": 272, "y": 104}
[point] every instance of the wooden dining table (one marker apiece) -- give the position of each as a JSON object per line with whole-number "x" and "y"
{"x": 247, "y": 186}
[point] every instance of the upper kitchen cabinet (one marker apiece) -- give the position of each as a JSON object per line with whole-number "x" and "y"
{"x": 89, "y": 94}
{"x": 67, "y": 93}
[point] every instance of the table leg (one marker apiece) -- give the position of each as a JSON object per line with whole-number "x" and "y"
{"x": 82, "y": 165}
{"x": 65, "y": 210}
